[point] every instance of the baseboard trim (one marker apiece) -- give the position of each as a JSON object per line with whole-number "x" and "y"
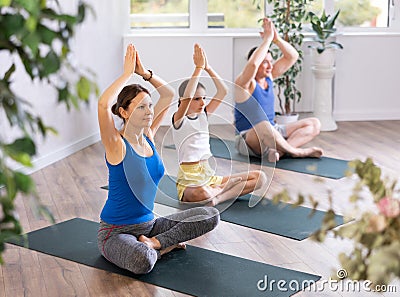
{"x": 362, "y": 115}
{"x": 46, "y": 160}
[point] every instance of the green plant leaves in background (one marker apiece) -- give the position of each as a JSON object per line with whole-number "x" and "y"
{"x": 375, "y": 236}
{"x": 34, "y": 33}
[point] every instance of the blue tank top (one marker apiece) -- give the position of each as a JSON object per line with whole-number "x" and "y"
{"x": 259, "y": 107}
{"x": 132, "y": 187}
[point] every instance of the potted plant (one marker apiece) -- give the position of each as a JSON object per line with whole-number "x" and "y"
{"x": 288, "y": 16}
{"x": 323, "y": 62}
{"x": 323, "y": 54}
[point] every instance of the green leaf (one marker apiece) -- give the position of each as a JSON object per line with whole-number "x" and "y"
{"x": 83, "y": 87}
{"x": 10, "y": 71}
{"x": 81, "y": 13}
{"x": 32, "y": 41}
{"x": 331, "y": 21}
{"x": 22, "y": 145}
{"x": 24, "y": 183}
{"x": 22, "y": 158}
{"x": 11, "y": 190}
{"x": 51, "y": 64}
{"x": 74, "y": 100}
{"x": 336, "y": 45}
{"x": 31, "y": 24}
{"x": 46, "y": 34}
{"x": 44, "y": 129}
{"x": 63, "y": 94}
{"x": 12, "y": 25}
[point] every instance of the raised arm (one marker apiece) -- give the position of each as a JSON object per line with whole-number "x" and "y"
{"x": 109, "y": 134}
{"x": 246, "y": 77}
{"x": 199, "y": 63}
{"x": 288, "y": 58}
{"x": 222, "y": 89}
{"x": 164, "y": 90}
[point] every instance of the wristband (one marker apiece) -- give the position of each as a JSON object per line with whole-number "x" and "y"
{"x": 151, "y": 75}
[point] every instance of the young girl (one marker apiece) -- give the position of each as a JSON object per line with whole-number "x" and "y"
{"x": 196, "y": 181}
{"x": 129, "y": 235}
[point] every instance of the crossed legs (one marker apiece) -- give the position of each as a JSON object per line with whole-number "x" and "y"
{"x": 137, "y": 247}
{"x": 232, "y": 186}
{"x": 263, "y": 136}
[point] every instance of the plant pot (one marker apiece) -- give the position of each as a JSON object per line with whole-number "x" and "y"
{"x": 286, "y": 118}
{"x": 324, "y": 60}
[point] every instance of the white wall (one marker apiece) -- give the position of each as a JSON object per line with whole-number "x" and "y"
{"x": 367, "y": 78}
{"x": 98, "y": 45}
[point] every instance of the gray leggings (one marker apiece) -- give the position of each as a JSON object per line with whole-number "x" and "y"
{"x": 119, "y": 244}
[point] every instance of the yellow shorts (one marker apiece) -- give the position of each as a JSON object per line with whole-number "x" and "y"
{"x": 199, "y": 174}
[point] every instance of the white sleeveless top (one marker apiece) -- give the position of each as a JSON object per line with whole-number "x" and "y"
{"x": 192, "y": 139}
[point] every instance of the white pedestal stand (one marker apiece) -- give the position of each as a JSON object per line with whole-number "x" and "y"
{"x": 322, "y": 97}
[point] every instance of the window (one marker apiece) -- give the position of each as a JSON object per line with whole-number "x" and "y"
{"x": 235, "y": 14}
{"x": 159, "y": 13}
{"x": 208, "y": 15}
{"x": 197, "y": 15}
{"x": 363, "y": 13}
{"x": 356, "y": 13}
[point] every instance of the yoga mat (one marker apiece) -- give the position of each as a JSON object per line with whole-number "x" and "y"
{"x": 194, "y": 271}
{"x": 280, "y": 219}
{"x": 324, "y": 166}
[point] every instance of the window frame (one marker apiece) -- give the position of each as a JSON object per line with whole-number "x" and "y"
{"x": 198, "y": 21}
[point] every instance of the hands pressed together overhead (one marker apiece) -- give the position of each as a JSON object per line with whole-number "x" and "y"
{"x": 199, "y": 57}
{"x": 133, "y": 64}
{"x": 269, "y": 31}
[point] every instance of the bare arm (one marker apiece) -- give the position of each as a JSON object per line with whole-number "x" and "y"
{"x": 109, "y": 134}
{"x": 288, "y": 58}
{"x": 222, "y": 89}
{"x": 166, "y": 95}
{"x": 199, "y": 62}
{"x": 246, "y": 77}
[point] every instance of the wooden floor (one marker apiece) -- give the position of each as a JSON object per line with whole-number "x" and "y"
{"x": 71, "y": 188}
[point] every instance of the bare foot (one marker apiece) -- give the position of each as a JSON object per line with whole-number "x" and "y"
{"x": 150, "y": 242}
{"x": 172, "y": 247}
{"x": 212, "y": 202}
{"x": 231, "y": 183}
{"x": 273, "y": 155}
{"x": 313, "y": 152}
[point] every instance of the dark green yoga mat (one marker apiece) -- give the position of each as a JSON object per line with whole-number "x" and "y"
{"x": 324, "y": 166}
{"x": 280, "y": 219}
{"x": 194, "y": 271}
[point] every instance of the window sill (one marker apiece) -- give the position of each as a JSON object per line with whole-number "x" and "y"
{"x": 243, "y": 33}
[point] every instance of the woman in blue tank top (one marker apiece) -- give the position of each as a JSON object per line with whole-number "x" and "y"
{"x": 129, "y": 235}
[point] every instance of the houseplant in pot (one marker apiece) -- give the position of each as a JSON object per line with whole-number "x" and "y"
{"x": 288, "y": 16}
{"x": 323, "y": 53}
{"x": 323, "y": 67}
